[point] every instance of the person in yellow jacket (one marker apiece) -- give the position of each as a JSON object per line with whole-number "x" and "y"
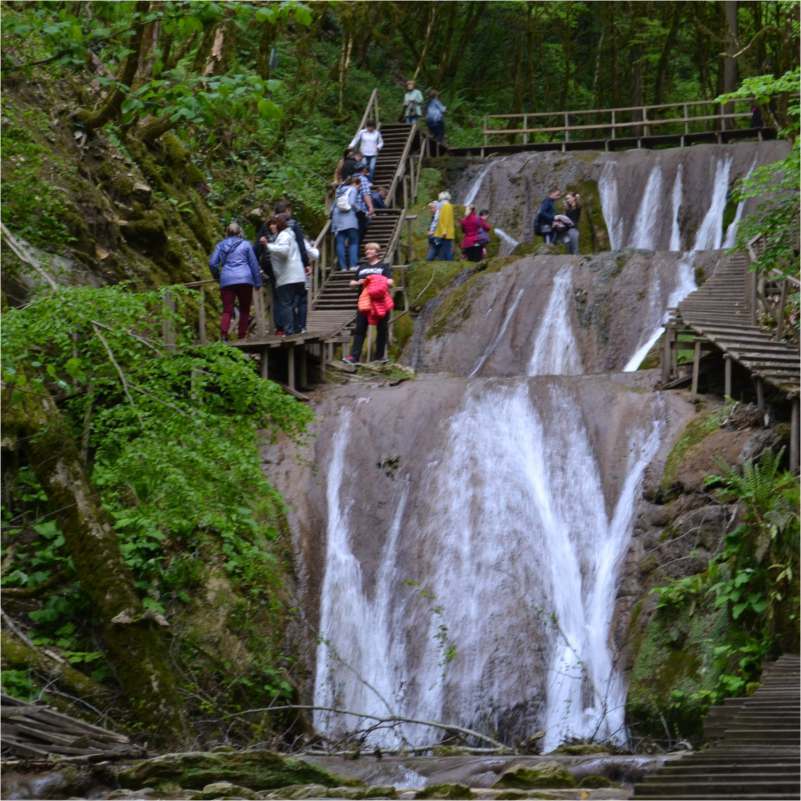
{"x": 445, "y": 232}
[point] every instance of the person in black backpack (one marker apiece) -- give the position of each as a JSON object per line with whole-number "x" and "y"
{"x": 543, "y": 222}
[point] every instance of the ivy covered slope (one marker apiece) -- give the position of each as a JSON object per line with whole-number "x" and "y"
{"x": 147, "y": 564}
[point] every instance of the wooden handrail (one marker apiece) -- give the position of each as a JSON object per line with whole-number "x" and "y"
{"x": 401, "y": 164}
{"x": 612, "y": 125}
{"x": 573, "y": 112}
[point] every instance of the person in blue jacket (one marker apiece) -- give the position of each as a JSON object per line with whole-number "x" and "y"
{"x": 543, "y": 223}
{"x": 233, "y": 263}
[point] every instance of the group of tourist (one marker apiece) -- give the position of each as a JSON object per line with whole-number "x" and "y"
{"x": 559, "y": 228}
{"x": 442, "y": 231}
{"x": 280, "y": 255}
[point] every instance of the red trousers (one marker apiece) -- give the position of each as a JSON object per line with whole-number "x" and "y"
{"x": 242, "y": 292}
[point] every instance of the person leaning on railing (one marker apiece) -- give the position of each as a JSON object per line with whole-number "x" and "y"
{"x": 233, "y": 263}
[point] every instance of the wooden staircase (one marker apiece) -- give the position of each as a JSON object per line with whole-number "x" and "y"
{"x": 720, "y": 312}
{"x": 333, "y": 305}
{"x": 753, "y": 751}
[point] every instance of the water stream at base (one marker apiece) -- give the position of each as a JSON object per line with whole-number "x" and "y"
{"x": 508, "y": 243}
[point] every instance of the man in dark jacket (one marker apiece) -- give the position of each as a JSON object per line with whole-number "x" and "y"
{"x": 543, "y": 223}
{"x": 285, "y": 207}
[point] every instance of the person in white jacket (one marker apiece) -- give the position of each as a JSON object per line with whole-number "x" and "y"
{"x": 369, "y": 142}
{"x": 290, "y": 279}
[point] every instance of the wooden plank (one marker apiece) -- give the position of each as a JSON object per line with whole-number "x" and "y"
{"x": 794, "y": 437}
{"x": 696, "y": 367}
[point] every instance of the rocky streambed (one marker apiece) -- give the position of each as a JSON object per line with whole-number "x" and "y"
{"x": 255, "y": 774}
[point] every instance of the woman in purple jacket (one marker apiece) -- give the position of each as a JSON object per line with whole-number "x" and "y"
{"x": 233, "y": 263}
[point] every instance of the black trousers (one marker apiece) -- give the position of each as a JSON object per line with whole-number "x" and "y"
{"x": 360, "y": 334}
{"x": 364, "y": 221}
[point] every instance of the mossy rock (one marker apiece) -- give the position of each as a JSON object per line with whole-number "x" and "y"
{"x": 544, "y": 774}
{"x": 258, "y": 770}
{"x": 302, "y": 791}
{"x": 694, "y": 432}
{"x": 595, "y": 781}
{"x": 426, "y": 279}
{"x": 224, "y": 790}
{"x": 445, "y": 791}
{"x": 580, "y": 749}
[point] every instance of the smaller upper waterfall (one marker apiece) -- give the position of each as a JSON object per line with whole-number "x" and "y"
{"x": 657, "y": 309}
{"x": 508, "y": 243}
{"x": 473, "y": 191}
{"x": 555, "y": 349}
{"x": 731, "y": 231}
{"x": 675, "y": 231}
{"x": 644, "y": 233}
{"x": 607, "y": 188}
{"x": 710, "y": 232}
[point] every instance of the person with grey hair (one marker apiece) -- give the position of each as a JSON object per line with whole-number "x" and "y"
{"x": 233, "y": 263}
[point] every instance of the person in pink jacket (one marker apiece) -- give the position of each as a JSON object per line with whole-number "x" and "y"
{"x": 472, "y": 226}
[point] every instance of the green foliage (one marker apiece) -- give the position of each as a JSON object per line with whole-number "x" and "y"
{"x": 753, "y": 581}
{"x": 775, "y": 220}
{"x": 172, "y": 445}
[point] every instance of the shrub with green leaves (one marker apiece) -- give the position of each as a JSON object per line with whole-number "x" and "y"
{"x": 170, "y": 440}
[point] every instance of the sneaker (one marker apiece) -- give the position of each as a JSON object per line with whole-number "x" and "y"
{"x": 279, "y": 332}
{"x": 385, "y": 360}
{"x": 349, "y": 359}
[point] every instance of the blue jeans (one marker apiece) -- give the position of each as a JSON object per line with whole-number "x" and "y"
{"x": 437, "y": 129}
{"x": 370, "y": 161}
{"x": 412, "y": 119}
{"x": 439, "y": 249}
{"x": 292, "y": 303}
{"x": 351, "y": 236}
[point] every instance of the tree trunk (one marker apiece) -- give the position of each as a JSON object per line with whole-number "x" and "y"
{"x": 729, "y": 62}
{"x": 664, "y": 56}
{"x": 135, "y": 646}
{"x": 111, "y": 108}
{"x": 432, "y": 14}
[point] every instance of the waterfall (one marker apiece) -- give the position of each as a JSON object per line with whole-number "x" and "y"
{"x": 731, "y": 231}
{"x": 498, "y": 338}
{"x": 555, "y": 349}
{"x": 710, "y": 232}
{"x": 657, "y": 313}
{"x": 646, "y": 224}
{"x": 675, "y": 231}
{"x": 472, "y": 192}
{"x": 610, "y": 208}
{"x": 508, "y": 243}
{"x": 518, "y": 518}
{"x": 348, "y": 649}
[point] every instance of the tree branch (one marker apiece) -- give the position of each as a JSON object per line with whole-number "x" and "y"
{"x": 390, "y": 719}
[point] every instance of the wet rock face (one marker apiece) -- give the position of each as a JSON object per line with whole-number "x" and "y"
{"x": 514, "y": 186}
{"x": 488, "y": 324}
{"x": 412, "y": 492}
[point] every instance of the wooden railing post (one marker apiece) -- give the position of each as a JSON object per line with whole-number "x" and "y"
{"x": 614, "y": 128}
{"x": 780, "y": 310}
{"x": 686, "y": 119}
{"x": 567, "y": 127}
{"x": 201, "y": 317}
{"x": 167, "y": 322}
{"x": 484, "y": 129}
{"x": 525, "y": 125}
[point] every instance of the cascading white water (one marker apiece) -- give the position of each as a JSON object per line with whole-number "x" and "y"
{"x": 499, "y": 336}
{"x": 656, "y": 316}
{"x": 508, "y": 243}
{"x": 675, "y": 230}
{"x": 555, "y": 350}
{"x": 472, "y": 192}
{"x": 607, "y": 189}
{"x": 348, "y": 649}
{"x": 710, "y": 232}
{"x": 644, "y": 232}
{"x": 731, "y": 231}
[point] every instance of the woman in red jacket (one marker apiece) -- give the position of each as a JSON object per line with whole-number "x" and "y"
{"x": 473, "y": 225}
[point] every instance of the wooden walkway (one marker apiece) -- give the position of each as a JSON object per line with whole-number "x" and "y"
{"x": 752, "y": 747}
{"x": 721, "y": 316}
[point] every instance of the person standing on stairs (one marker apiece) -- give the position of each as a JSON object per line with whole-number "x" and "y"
{"x": 345, "y": 224}
{"x": 290, "y": 277}
{"x": 268, "y": 233}
{"x": 412, "y": 103}
{"x": 375, "y": 303}
{"x": 369, "y": 142}
{"x": 445, "y": 232}
{"x": 364, "y": 201}
{"x": 233, "y": 263}
{"x": 285, "y": 207}
{"x": 435, "y": 116}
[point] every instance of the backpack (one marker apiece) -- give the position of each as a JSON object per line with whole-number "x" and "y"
{"x": 433, "y": 112}
{"x": 343, "y": 199}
